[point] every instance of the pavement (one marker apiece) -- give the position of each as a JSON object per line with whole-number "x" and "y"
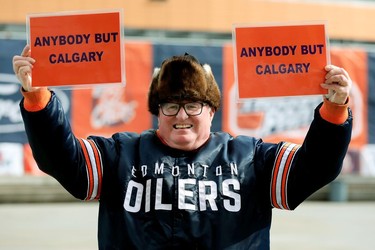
{"x": 73, "y": 225}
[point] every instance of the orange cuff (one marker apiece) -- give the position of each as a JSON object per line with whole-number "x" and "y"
{"x": 334, "y": 113}
{"x": 36, "y": 100}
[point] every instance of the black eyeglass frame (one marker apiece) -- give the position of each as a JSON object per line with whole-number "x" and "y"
{"x": 183, "y": 105}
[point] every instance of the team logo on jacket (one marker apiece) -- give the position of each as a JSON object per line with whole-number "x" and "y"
{"x": 198, "y": 188}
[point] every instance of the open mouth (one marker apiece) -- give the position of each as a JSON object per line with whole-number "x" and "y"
{"x": 182, "y": 126}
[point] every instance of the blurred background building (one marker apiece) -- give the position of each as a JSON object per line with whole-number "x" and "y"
{"x": 156, "y": 29}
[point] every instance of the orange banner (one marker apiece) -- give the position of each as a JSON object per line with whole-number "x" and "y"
{"x": 354, "y": 61}
{"x": 104, "y": 111}
{"x": 80, "y": 48}
{"x": 280, "y": 60}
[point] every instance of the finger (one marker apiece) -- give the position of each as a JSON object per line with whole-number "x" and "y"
{"x": 337, "y": 92}
{"x": 336, "y": 88}
{"x": 23, "y": 62}
{"x": 25, "y": 55}
{"x": 24, "y": 69}
{"x": 19, "y": 61}
{"x": 334, "y": 70}
{"x": 18, "y": 58}
{"x": 26, "y": 51}
{"x": 338, "y": 79}
{"x": 24, "y": 75}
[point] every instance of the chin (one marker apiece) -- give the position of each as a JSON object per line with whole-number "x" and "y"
{"x": 187, "y": 148}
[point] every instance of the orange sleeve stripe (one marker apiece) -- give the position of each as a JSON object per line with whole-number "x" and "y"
{"x": 36, "y": 100}
{"x": 98, "y": 167}
{"x": 334, "y": 113}
{"x": 94, "y": 168}
{"x": 89, "y": 169}
{"x": 285, "y": 176}
{"x": 280, "y": 174}
{"x": 275, "y": 171}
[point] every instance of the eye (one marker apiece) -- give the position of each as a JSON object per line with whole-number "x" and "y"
{"x": 171, "y": 106}
{"x": 193, "y": 106}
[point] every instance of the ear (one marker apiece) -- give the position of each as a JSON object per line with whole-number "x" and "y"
{"x": 212, "y": 113}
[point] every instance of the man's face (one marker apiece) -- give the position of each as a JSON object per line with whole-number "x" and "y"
{"x": 185, "y": 132}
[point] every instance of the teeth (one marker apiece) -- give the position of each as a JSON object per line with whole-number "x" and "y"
{"x": 178, "y": 126}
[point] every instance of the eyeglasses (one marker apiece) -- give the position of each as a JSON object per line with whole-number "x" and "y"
{"x": 191, "y": 108}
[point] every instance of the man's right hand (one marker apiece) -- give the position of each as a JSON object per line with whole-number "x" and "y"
{"x": 22, "y": 66}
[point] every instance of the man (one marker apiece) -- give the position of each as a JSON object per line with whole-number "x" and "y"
{"x": 181, "y": 185}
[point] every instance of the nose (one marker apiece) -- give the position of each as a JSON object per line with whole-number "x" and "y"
{"x": 182, "y": 114}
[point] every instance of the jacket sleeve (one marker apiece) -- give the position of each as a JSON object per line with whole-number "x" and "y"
{"x": 299, "y": 170}
{"x": 59, "y": 153}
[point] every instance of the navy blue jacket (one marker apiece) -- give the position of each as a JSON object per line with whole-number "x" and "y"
{"x": 219, "y": 196}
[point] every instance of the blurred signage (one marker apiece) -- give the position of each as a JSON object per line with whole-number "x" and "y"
{"x": 11, "y": 124}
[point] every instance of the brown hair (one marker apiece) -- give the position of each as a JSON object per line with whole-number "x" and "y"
{"x": 183, "y": 78}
